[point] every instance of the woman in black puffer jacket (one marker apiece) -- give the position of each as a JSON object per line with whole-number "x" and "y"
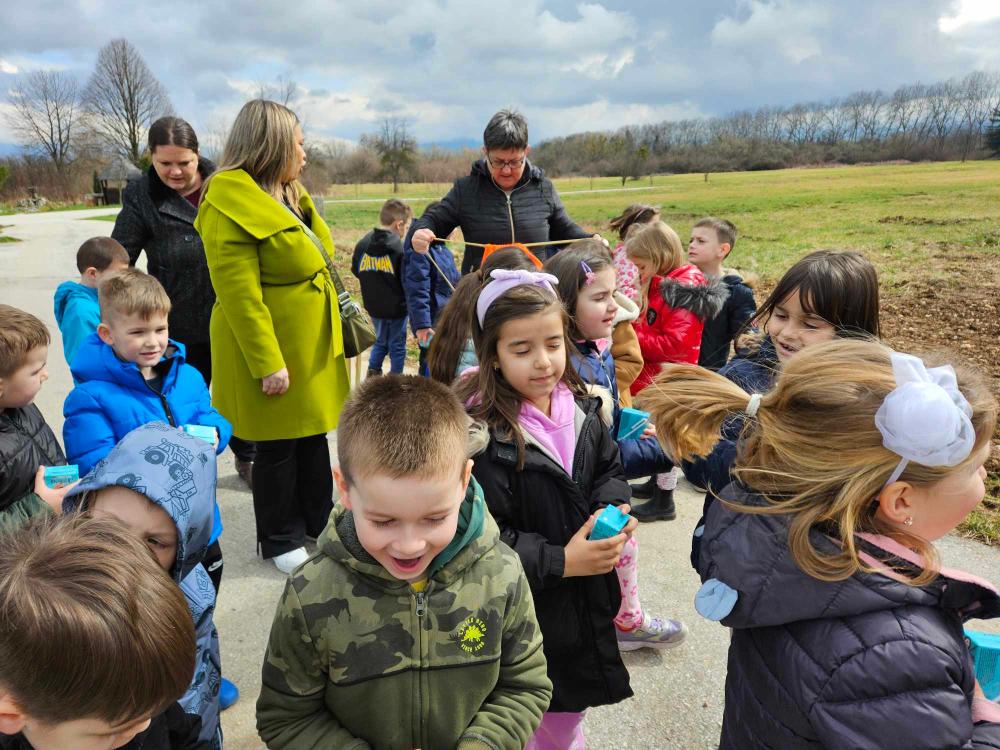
{"x": 846, "y": 633}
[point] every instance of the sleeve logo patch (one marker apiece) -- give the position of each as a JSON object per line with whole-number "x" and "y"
{"x": 472, "y": 635}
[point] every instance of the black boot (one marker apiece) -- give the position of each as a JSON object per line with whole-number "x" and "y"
{"x": 373, "y": 373}
{"x": 660, "y": 507}
{"x": 644, "y": 490}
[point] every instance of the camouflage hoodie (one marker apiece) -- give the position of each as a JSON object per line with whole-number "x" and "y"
{"x": 357, "y": 659}
{"x": 177, "y": 472}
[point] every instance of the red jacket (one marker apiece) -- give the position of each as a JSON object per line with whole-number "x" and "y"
{"x": 669, "y": 330}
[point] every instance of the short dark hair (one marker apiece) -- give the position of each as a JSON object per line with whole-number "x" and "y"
{"x": 841, "y": 287}
{"x": 20, "y": 332}
{"x": 400, "y": 426}
{"x": 90, "y": 625}
{"x": 394, "y": 210}
{"x": 725, "y": 232}
{"x": 507, "y": 129}
{"x": 99, "y": 253}
{"x": 172, "y": 131}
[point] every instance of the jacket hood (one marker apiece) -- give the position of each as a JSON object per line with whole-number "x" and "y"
{"x": 174, "y": 470}
{"x": 752, "y": 580}
{"x": 67, "y": 291}
{"x": 477, "y": 534}
{"x": 627, "y": 309}
{"x": 689, "y": 290}
{"x": 481, "y": 169}
{"x": 95, "y": 360}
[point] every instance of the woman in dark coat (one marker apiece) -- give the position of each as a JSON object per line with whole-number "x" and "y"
{"x": 157, "y": 216}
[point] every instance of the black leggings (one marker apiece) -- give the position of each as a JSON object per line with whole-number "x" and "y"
{"x": 292, "y": 492}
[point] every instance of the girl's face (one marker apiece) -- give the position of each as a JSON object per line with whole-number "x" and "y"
{"x": 596, "y": 306}
{"x": 939, "y": 508}
{"x": 792, "y": 329}
{"x": 646, "y": 270}
{"x": 531, "y": 354}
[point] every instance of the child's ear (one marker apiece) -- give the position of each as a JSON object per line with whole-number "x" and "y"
{"x": 466, "y": 475}
{"x": 91, "y": 273}
{"x": 12, "y": 718}
{"x": 338, "y": 479}
{"x": 895, "y": 503}
{"x": 725, "y": 247}
{"x": 104, "y": 333}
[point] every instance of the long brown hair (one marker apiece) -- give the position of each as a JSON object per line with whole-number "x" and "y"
{"x": 813, "y": 450}
{"x": 453, "y": 328}
{"x": 633, "y": 217}
{"x": 487, "y": 394}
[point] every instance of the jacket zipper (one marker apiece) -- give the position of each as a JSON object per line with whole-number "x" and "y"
{"x": 510, "y": 214}
{"x": 166, "y": 406}
{"x": 421, "y": 607}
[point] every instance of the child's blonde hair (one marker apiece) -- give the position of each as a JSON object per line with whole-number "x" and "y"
{"x": 659, "y": 245}
{"x": 132, "y": 292}
{"x": 813, "y": 450}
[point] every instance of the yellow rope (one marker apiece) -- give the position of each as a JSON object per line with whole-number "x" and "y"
{"x": 529, "y": 244}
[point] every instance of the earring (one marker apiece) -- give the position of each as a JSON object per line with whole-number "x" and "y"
{"x": 908, "y": 521}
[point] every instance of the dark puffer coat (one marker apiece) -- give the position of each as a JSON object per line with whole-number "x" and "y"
{"x": 26, "y": 442}
{"x": 533, "y": 212}
{"x": 539, "y": 509}
{"x": 868, "y": 662}
{"x": 155, "y": 218}
{"x": 720, "y": 330}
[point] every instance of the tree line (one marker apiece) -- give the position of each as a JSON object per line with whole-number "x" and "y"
{"x": 69, "y": 131}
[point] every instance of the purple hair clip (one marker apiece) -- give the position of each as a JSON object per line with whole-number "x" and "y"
{"x": 588, "y": 273}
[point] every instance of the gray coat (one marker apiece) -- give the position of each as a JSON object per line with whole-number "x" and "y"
{"x": 868, "y": 662}
{"x": 157, "y": 219}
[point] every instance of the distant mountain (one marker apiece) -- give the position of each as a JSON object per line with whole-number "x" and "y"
{"x": 454, "y": 144}
{"x": 9, "y": 149}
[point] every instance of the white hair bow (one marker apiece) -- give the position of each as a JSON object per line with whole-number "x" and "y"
{"x": 925, "y": 419}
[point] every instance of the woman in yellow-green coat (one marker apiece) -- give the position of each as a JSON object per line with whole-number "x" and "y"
{"x": 277, "y": 352}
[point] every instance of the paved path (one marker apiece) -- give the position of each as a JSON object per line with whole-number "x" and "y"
{"x": 678, "y": 701}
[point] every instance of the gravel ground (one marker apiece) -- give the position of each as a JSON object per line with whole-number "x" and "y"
{"x": 678, "y": 694}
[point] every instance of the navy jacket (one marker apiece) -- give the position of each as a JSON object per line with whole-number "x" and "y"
{"x": 533, "y": 212}
{"x": 640, "y": 457}
{"x": 868, "y": 662}
{"x": 426, "y": 291}
{"x": 177, "y": 472}
{"x": 720, "y": 330}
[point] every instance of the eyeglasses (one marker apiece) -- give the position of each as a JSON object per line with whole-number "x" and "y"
{"x": 502, "y": 164}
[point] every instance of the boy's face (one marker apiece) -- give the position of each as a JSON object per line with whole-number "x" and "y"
{"x": 144, "y": 518}
{"x": 705, "y": 248}
{"x": 404, "y": 523}
{"x": 19, "y": 389}
{"x": 135, "y": 339}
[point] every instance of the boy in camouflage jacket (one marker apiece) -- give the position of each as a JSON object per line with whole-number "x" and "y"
{"x": 412, "y": 626}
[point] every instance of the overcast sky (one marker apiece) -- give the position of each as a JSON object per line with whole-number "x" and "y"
{"x": 447, "y": 65}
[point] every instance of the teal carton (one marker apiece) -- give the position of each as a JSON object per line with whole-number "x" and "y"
{"x": 610, "y": 523}
{"x": 985, "y": 651}
{"x": 204, "y": 432}
{"x": 632, "y": 423}
{"x": 61, "y": 476}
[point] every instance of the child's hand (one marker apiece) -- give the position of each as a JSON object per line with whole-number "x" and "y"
{"x": 649, "y": 432}
{"x": 424, "y": 336}
{"x": 632, "y": 524}
{"x": 51, "y": 496}
{"x": 591, "y": 558}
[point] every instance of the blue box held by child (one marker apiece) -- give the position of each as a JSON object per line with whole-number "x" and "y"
{"x": 61, "y": 476}
{"x": 632, "y": 423}
{"x": 610, "y": 523}
{"x": 985, "y": 650}
{"x": 208, "y": 434}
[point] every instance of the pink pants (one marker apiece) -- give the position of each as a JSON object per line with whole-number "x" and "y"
{"x": 630, "y": 613}
{"x": 558, "y": 731}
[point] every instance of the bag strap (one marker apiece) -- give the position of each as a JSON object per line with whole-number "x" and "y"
{"x": 343, "y": 298}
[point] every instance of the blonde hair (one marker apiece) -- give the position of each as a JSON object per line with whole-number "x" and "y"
{"x": 132, "y": 292}
{"x": 659, "y": 245}
{"x": 813, "y": 450}
{"x": 262, "y": 143}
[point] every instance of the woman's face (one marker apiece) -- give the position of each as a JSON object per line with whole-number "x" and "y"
{"x": 177, "y": 168}
{"x": 300, "y": 156}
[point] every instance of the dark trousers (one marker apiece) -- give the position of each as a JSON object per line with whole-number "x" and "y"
{"x": 292, "y": 492}
{"x": 199, "y": 356}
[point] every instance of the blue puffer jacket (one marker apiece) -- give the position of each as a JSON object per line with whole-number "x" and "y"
{"x": 177, "y": 472}
{"x": 78, "y": 314}
{"x": 754, "y": 371}
{"x": 640, "y": 457}
{"x": 868, "y": 662}
{"x": 426, "y": 292}
{"x": 112, "y": 399}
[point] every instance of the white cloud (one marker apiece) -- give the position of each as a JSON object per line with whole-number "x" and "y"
{"x": 969, "y": 12}
{"x": 8, "y": 68}
{"x": 791, "y": 29}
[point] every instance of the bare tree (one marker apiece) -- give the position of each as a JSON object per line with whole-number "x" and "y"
{"x": 45, "y": 109}
{"x": 396, "y": 149}
{"x": 123, "y": 98}
{"x": 284, "y": 90}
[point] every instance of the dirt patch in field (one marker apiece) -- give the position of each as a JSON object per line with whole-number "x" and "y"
{"x": 922, "y": 221}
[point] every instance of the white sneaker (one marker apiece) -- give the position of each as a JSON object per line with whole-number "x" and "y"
{"x": 289, "y": 561}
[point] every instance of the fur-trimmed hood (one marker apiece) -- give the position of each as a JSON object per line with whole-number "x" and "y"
{"x": 682, "y": 290}
{"x": 627, "y": 309}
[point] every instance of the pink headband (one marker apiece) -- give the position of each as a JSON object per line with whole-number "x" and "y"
{"x": 505, "y": 280}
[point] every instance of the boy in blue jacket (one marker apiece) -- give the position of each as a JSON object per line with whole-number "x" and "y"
{"x": 130, "y": 373}
{"x": 428, "y": 281}
{"x": 78, "y": 312}
{"x": 160, "y": 483}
